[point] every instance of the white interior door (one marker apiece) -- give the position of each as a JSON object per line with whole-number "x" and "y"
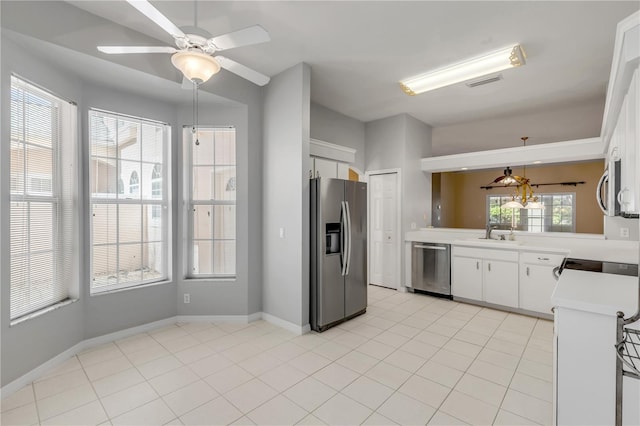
{"x": 383, "y": 248}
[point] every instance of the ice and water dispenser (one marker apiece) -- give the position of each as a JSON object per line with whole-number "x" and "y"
{"x": 332, "y": 235}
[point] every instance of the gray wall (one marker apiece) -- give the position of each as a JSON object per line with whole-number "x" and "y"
{"x": 416, "y": 184}
{"x": 556, "y": 124}
{"x": 107, "y": 313}
{"x": 242, "y": 295}
{"x": 286, "y": 196}
{"x": 331, "y": 126}
{"x": 400, "y": 142}
{"x": 28, "y": 344}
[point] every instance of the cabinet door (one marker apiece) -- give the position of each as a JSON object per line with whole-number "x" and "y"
{"x": 631, "y": 141}
{"x": 536, "y": 286}
{"x": 325, "y": 168}
{"x": 343, "y": 171}
{"x": 500, "y": 283}
{"x": 466, "y": 280}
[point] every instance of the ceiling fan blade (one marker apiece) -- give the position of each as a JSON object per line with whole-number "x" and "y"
{"x": 243, "y": 71}
{"x": 136, "y": 49}
{"x": 251, "y": 35}
{"x": 154, "y": 14}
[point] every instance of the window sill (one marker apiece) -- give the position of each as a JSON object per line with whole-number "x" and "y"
{"x": 209, "y": 279}
{"x": 134, "y": 287}
{"x": 42, "y": 311}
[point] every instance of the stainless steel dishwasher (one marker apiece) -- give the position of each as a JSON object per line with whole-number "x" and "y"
{"x": 431, "y": 268}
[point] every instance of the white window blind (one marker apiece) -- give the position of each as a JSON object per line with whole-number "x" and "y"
{"x": 129, "y": 228}
{"x": 42, "y": 187}
{"x": 211, "y": 173}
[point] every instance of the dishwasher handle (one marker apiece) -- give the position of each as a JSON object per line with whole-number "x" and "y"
{"x": 429, "y": 247}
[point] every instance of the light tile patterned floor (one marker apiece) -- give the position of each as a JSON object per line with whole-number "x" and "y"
{"x": 411, "y": 359}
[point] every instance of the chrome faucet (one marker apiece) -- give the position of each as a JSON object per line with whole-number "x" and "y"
{"x": 490, "y": 228}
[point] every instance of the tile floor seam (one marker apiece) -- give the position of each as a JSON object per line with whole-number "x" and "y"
{"x": 520, "y": 415}
{"x": 35, "y": 402}
{"x": 71, "y": 409}
{"x": 466, "y": 371}
{"x": 514, "y": 373}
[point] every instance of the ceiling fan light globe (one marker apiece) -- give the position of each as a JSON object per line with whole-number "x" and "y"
{"x": 197, "y": 67}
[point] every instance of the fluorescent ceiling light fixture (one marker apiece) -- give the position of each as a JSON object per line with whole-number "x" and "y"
{"x": 489, "y": 63}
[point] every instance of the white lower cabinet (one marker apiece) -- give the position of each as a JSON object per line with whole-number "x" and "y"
{"x": 500, "y": 283}
{"x": 467, "y": 277}
{"x": 537, "y": 280}
{"x": 485, "y": 275}
{"x": 508, "y": 277}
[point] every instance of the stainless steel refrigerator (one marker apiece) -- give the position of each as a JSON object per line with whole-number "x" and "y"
{"x": 338, "y": 251}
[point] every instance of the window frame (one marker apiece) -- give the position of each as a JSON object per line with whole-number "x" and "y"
{"x": 63, "y": 132}
{"x": 191, "y": 204}
{"x": 523, "y": 220}
{"x": 125, "y": 198}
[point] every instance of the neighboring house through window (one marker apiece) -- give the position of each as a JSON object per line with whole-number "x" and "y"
{"x": 129, "y": 232}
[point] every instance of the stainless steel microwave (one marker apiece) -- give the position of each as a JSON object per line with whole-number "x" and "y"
{"x": 608, "y": 189}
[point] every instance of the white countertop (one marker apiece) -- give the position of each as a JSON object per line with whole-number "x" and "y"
{"x": 596, "y": 292}
{"x": 581, "y": 246}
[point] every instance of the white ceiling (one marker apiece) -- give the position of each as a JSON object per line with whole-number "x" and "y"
{"x": 359, "y": 50}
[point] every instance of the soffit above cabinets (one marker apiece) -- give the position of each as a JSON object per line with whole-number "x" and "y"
{"x": 557, "y": 152}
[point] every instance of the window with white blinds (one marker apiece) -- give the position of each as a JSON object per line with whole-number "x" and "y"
{"x": 211, "y": 175}
{"x": 129, "y": 179}
{"x": 42, "y": 188}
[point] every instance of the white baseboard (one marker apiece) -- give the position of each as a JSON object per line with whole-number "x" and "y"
{"x": 121, "y": 334}
{"x": 294, "y": 328}
{"x": 43, "y": 368}
{"x": 237, "y": 319}
{"x": 40, "y": 370}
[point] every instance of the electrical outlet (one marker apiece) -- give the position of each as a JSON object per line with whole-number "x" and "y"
{"x": 624, "y": 232}
{"x": 413, "y": 225}
{"x": 187, "y": 298}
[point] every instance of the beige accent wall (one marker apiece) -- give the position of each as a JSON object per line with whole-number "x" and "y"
{"x": 464, "y": 203}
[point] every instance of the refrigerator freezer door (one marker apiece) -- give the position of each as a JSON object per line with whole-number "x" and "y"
{"x": 329, "y": 290}
{"x": 355, "y": 291}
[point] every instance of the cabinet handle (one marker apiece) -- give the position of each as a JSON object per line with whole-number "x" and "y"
{"x": 478, "y": 265}
{"x": 543, "y": 258}
{"x": 527, "y": 271}
{"x": 317, "y": 173}
{"x": 489, "y": 267}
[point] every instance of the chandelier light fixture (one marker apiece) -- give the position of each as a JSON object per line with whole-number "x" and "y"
{"x": 489, "y": 63}
{"x": 524, "y": 198}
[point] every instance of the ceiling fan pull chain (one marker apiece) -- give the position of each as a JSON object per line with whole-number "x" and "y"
{"x": 195, "y": 84}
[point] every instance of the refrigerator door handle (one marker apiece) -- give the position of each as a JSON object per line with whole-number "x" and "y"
{"x": 348, "y": 237}
{"x": 343, "y": 238}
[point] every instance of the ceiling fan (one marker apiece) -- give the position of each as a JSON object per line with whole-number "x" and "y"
{"x": 194, "y": 54}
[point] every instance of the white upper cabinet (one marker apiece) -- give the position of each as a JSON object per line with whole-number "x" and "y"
{"x": 329, "y": 160}
{"x": 620, "y": 127}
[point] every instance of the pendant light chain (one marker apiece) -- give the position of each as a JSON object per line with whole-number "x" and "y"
{"x": 194, "y": 128}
